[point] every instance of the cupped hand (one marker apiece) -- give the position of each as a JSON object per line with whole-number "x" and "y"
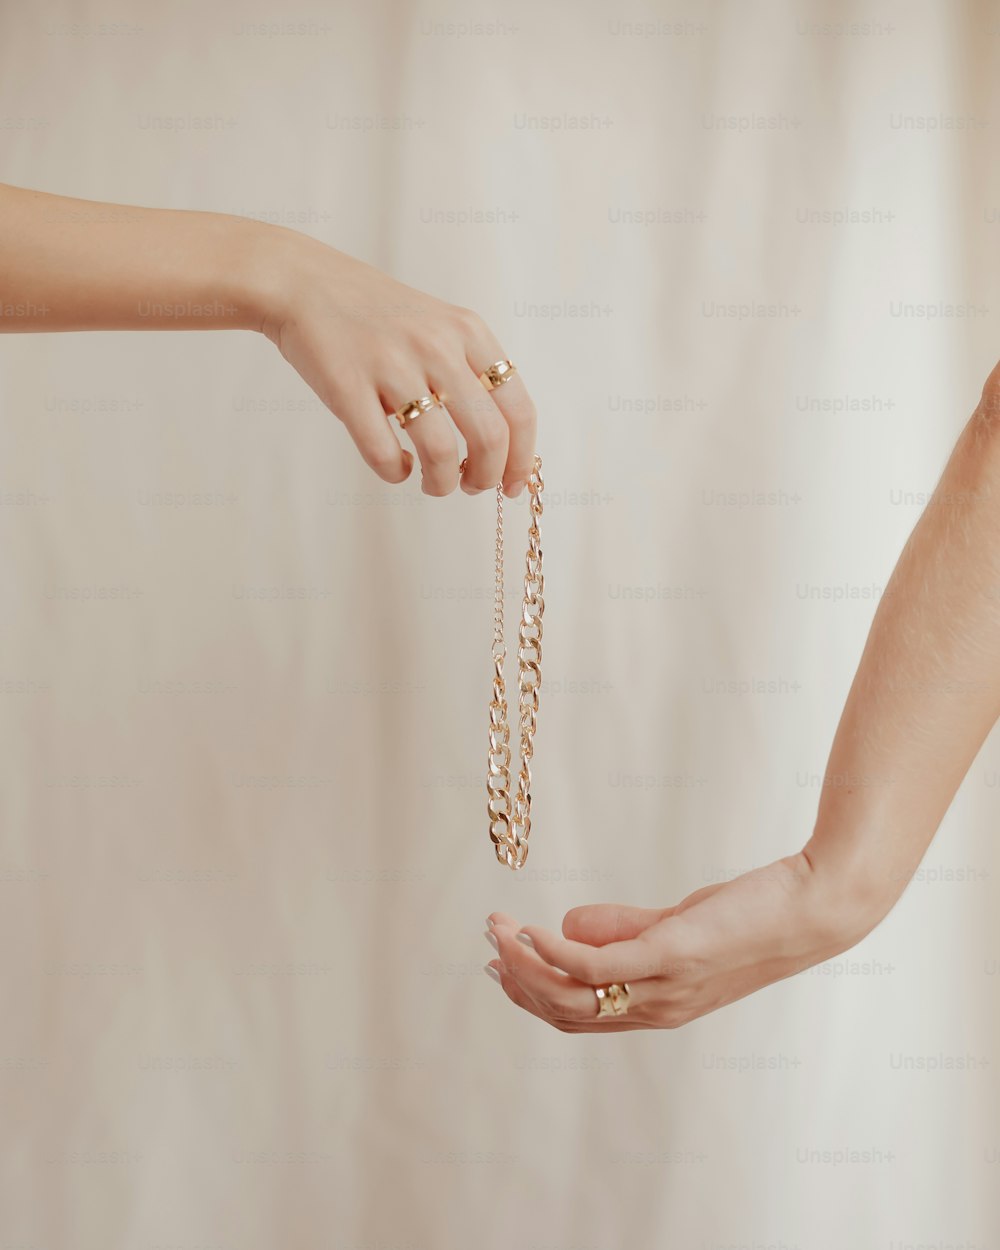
{"x": 720, "y": 944}
{"x": 368, "y": 345}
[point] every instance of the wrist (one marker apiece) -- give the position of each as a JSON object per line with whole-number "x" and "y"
{"x": 268, "y": 257}
{"x": 208, "y": 268}
{"x": 848, "y": 896}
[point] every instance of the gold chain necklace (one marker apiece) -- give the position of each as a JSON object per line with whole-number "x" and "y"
{"x": 510, "y": 818}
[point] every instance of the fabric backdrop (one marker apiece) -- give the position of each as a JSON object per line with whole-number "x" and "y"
{"x": 745, "y": 257}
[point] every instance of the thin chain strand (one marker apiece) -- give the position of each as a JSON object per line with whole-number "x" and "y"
{"x": 510, "y": 819}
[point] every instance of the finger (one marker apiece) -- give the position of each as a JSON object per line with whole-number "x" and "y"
{"x": 482, "y": 425}
{"x": 515, "y": 993}
{"x": 364, "y": 419}
{"x": 586, "y": 1019}
{"x": 519, "y": 996}
{"x": 512, "y": 400}
{"x": 513, "y": 989}
{"x": 560, "y": 997}
{"x": 597, "y": 924}
{"x": 518, "y": 411}
{"x": 433, "y": 436}
{"x": 501, "y": 917}
{"x": 630, "y": 960}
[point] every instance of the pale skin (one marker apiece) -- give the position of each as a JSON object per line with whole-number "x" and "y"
{"x": 926, "y": 694}
{"x": 924, "y": 698}
{"x": 366, "y": 344}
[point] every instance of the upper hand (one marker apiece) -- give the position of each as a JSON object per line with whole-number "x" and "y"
{"x": 368, "y": 345}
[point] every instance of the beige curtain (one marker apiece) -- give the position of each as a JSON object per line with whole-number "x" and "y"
{"x": 745, "y": 255}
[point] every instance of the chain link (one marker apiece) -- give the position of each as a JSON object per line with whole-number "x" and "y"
{"x": 510, "y": 817}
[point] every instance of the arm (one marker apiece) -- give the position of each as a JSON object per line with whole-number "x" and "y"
{"x": 69, "y": 264}
{"x": 926, "y": 694}
{"x": 365, "y": 343}
{"x": 927, "y": 690}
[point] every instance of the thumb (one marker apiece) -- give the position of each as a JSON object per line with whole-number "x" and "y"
{"x": 597, "y": 924}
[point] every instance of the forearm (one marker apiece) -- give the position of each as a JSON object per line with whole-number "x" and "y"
{"x": 927, "y": 690}
{"x": 68, "y": 264}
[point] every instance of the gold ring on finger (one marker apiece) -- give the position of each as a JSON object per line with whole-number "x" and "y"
{"x": 612, "y": 1000}
{"x": 409, "y": 412}
{"x": 497, "y": 374}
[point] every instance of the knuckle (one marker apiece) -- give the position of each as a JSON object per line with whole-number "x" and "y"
{"x": 469, "y": 320}
{"x": 438, "y": 452}
{"x": 493, "y": 437}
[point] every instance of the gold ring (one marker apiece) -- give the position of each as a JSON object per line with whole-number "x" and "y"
{"x": 612, "y": 1000}
{"x": 409, "y": 412}
{"x": 498, "y": 373}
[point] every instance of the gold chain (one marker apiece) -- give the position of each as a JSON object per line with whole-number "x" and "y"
{"x": 510, "y": 818}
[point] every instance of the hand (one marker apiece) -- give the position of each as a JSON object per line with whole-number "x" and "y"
{"x": 721, "y": 943}
{"x": 367, "y": 345}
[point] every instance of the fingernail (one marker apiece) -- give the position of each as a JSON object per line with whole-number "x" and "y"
{"x": 492, "y": 972}
{"x": 526, "y": 939}
{"x": 489, "y": 922}
{"x": 491, "y": 937}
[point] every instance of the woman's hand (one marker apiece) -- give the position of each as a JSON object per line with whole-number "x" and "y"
{"x": 367, "y": 345}
{"x": 721, "y": 943}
